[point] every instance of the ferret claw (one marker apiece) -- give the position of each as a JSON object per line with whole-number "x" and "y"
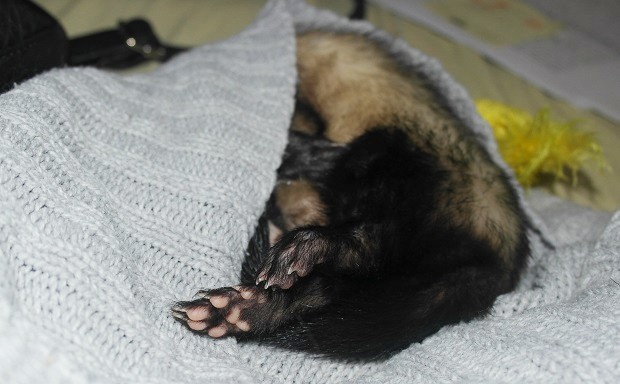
{"x": 179, "y": 314}
{"x": 262, "y": 277}
{"x": 201, "y": 295}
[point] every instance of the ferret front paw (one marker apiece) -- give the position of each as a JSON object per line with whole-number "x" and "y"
{"x": 223, "y": 311}
{"x": 295, "y": 255}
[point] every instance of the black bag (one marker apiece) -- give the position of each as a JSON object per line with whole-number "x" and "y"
{"x": 31, "y": 41}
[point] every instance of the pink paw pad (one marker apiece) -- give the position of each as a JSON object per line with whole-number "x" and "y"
{"x": 220, "y": 312}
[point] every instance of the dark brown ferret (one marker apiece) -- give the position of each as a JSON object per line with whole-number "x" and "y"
{"x": 389, "y": 219}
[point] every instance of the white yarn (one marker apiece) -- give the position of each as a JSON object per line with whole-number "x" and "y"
{"x": 120, "y": 195}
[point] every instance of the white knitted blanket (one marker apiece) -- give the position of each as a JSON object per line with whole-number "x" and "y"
{"x": 120, "y": 195}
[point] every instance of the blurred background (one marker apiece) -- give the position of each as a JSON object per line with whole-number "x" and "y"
{"x": 505, "y": 50}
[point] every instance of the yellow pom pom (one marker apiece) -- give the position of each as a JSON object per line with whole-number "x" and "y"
{"x": 535, "y": 146}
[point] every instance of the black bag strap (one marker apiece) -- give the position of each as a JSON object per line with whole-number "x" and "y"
{"x": 131, "y": 43}
{"x": 359, "y": 10}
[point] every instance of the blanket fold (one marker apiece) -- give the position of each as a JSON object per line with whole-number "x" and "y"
{"x": 120, "y": 195}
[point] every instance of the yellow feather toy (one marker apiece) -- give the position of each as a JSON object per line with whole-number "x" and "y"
{"x": 536, "y": 147}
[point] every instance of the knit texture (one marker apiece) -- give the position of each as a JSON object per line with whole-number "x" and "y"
{"x": 121, "y": 195}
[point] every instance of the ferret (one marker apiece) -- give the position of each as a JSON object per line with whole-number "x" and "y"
{"x": 389, "y": 220}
